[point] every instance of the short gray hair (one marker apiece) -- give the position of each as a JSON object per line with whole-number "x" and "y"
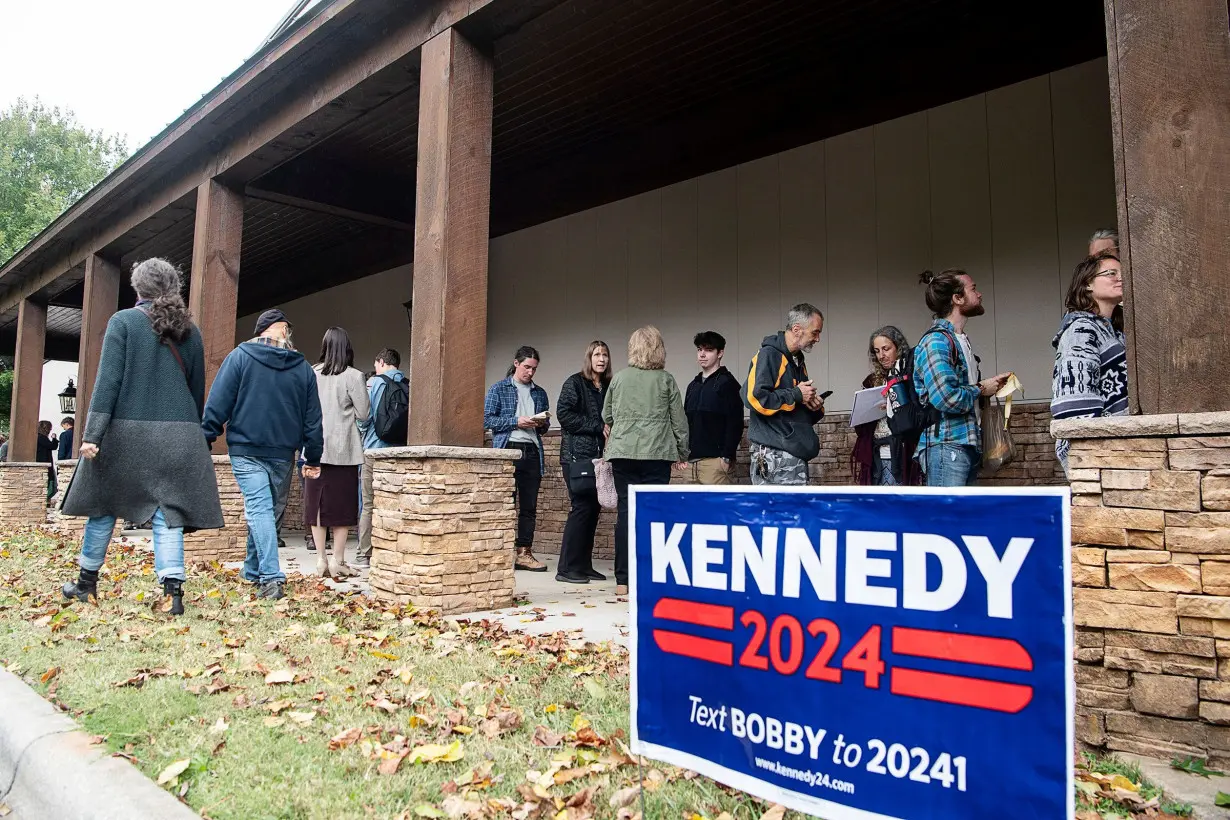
{"x": 801, "y": 314}
{"x": 156, "y": 277}
{"x": 1105, "y": 233}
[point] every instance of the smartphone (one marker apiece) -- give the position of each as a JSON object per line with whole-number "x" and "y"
{"x": 825, "y": 394}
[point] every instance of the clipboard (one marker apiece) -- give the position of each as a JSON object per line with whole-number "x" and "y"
{"x": 867, "y": 406}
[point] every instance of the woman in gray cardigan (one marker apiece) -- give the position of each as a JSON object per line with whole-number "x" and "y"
{"x": 143, "y": 455}
{"x": 332, "y": 501}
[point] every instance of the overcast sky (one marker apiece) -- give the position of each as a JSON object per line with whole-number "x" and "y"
{"x": 126, "y": 67}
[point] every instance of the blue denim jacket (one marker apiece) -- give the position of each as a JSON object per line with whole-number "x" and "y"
{"x": 500, "y": 413}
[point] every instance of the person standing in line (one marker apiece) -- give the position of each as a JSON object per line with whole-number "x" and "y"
{"x": 715, "y": 413}
{"x": 584, "y": 434}
{"x": 65, "y": 450}
{"x": 949, "y": 379}
{"x": 331, "y": 501}
{"x": 784, "y": 405}
{"x": 1104, "y": 240}
{"x": 1090, "y": 378}
{"x": 388, "y": 417}
{"x": 648, "y": 430}
{"x": 879, "y": 457}
{"x": 515, "y": 411}
{"x": 4, "y": 448}
{"x": 143, "y": 455}
{"x": 45, "y": 454}
{"x": 265, "y": 397}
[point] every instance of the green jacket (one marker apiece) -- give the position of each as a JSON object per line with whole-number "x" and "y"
{"x": 645, "y": 411}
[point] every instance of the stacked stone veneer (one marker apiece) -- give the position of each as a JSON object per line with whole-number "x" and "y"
{"x": 23, "y": 494}
{"x": 1151, "y": 583}
{"x": 442, "y": 527}
{"x": 230, "y": 542}
{"x": 1029, "y": 425}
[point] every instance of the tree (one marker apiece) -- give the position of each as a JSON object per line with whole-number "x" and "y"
{"x": 47, "y": 162}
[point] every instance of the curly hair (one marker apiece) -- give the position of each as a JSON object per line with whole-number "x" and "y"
{"x": 160, "y": 283}
{"x": 878, "y": 373}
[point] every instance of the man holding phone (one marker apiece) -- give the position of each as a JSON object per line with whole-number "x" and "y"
{"x": 784, "y": 404}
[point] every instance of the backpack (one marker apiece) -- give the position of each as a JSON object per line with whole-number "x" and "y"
{"x": 393, "y": 415}
{"x": 909, "y": 416}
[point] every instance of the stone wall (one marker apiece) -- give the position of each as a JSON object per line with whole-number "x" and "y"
{"x": 230, "y": 542}
{"x": 1151, "y": 583}
{"x": 1035, "y": 465}
{"x": 442, "y": 527}
{"x": 23, "y": 494}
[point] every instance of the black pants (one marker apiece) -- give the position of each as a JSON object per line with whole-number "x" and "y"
{"x": 527, "y": 475}
{"x": 632, "y": 471}
{"x": 576, "y": 556}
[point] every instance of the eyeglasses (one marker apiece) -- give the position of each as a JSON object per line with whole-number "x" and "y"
{"x": 1113, "y": 274}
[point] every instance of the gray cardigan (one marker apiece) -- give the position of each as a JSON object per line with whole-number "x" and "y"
{"x": 145, "y": 417}
{"x": 344, "y": 404}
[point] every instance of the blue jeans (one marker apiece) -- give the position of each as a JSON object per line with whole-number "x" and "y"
{"x": 262, "y": 482}
{"x": 168, "y": 545}
{"x": 952, "y": 465}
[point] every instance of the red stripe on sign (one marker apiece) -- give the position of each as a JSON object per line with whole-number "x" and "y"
{"x": 690, "y": 646}
{"x": 691, "y": 612}
{"x": 957, "y": 646}
{"x": 962, "y": 691}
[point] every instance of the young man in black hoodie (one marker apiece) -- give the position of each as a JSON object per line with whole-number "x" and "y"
{"x": 715, "y": 413}
{"x": 784, "y": 404}
{"x": 265, "y": 396}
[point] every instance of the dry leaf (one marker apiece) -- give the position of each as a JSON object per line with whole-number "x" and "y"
{"x": 390, "y": 765}
{"x": 775, "y": 813}
{"x": 624, "y": 797}
{"x": 545, "y": 737}
{"x": 280, "y": 706}
{"x": 49, "y": 674}
{"x": 172, "y": 772}
{"x": 274, "y": 722}
{"x": 302, "y": 718}
{"x": 344, "y": 739}
{"x": 279, "y": 677}
{"x": 219, "y": 727}
{"x": 437, "y": 753}
{"x": 384, "y": 704}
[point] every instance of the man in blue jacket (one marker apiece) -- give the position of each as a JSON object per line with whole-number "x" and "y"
{"x": 265, "y": 396}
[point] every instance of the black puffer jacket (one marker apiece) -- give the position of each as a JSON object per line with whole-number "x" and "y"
{"x": 579, "y": 411}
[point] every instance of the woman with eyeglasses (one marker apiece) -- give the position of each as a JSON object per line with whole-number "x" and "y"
{"x": 1090, "y": 376}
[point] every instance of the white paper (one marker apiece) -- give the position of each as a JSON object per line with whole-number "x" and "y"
{"x": 867, "y": 406}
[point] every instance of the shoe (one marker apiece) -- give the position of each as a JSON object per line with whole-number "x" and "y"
{"x": 339, "y": 570}
{"x": 362, "y": 562}
{"x": 621, "y": 589}
{"x": 571, "y": 579}
{"x": 525, "y": 560}
{"x": 174, "y": 587}
{"x": 85, "y": 587}
{"x": 272, "y": 590}
{"x": 594, "y": 575}
{"x": 311, "y": 545}
{"x": 322, "y": 566}
{"x": 281, "y": 543}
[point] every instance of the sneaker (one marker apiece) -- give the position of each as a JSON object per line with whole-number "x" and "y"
{"x": 281, "y": 544}
{"x": 571, "y": 579}
{"x": 362, "y": 562}
{"x": 526, "y": 561}
{"x": 594, "y": 575}
{"x": 272, "y": 590}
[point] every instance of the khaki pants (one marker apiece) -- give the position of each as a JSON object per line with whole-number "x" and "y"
{"x": 365, "y": 517}
{"x": 710, "y": 471}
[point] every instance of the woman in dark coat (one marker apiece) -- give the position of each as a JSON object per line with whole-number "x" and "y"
{"x": 579, "y": 411}
{"x": 143, "y": 455}
{"x": 880, "y": 458}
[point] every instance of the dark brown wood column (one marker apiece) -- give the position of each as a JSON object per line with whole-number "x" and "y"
{"x": 27, "y": 381}
{"x": 1169, "y": 87}
{"x": 448, "y": 339}
{"x": 102, "y": 299}
{"x": 214, "y": 291}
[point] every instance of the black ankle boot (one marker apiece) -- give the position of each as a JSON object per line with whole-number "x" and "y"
{"x": 86, "y": 586}
{"x": 175, "y": 588}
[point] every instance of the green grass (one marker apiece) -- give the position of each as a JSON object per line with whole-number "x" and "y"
{"x": 1112, "y": 765}
{"x": 350, "y": 652}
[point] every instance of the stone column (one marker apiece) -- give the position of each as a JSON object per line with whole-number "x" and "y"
{"x": 28, "y": 381}
{"x": 442, "y": 527}
{"x": 23, "y": 494}
{"x": 1151, "y": 578}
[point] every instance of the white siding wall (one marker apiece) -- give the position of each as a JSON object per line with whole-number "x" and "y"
{"x": 1007, "y": 184}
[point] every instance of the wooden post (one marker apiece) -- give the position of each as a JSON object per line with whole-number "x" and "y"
{"x": 214, "y": 291}
{"x": 1170, "y": 81}
{"x": 27, "y": 381}
{"x": 102, "y": 299}
{"x": 448, "y": 336}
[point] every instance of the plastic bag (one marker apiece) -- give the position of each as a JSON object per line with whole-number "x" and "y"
{"x": 604, "y": 478}
{"x": 998, "y": 449}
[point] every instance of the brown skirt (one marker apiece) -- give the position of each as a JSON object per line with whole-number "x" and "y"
{"x": 333, "y": 499}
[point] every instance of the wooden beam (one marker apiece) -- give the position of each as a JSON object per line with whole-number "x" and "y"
{"x": 27, "y": 381}
{"x": 452, "y": 213}
{"x": 1170, "y": 80}
{"x": 101, "y": 301}
{"x": 326, "y": 208}
{"x": 214, "y": 292}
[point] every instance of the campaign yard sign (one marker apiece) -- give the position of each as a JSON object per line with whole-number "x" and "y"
{"x": 858, "y": 653}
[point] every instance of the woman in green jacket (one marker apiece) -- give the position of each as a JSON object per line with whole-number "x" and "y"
{"x": 647, "y": 430}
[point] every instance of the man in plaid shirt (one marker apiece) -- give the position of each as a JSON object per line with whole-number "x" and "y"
{"x": 947, "y": 377}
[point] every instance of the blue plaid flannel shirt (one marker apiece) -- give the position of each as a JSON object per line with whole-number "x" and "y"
{"x": 946, "y": 388}
{"x": 500, "y": 413}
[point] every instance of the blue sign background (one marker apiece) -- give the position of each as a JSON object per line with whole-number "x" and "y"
{"x": 1017, "y": 765}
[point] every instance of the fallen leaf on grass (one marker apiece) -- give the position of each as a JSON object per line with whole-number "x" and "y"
{"x": 429, "y": 812}
{"x": 344, "y": 739}
{"x": 624, "y": 797}
{"x": 390, "y": 765}
{"x": 138, "y": 680}
{"x": 302, "y": 718}
{"x": 219, "y": 727}
{"x": 274, "y": 722}
{"x": 545, "y": 737}
{"x": 279, "y": 706}
{"x": 775, "y": 813}
{"x": 279, "y": 677}
{"x": 437, "y": 753}
{"x": 172, "y": 772}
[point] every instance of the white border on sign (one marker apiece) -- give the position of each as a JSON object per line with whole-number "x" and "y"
{"x": 795, "y": 800}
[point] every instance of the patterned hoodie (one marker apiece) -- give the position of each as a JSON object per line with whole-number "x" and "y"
{"x": 1090, "y": 375}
